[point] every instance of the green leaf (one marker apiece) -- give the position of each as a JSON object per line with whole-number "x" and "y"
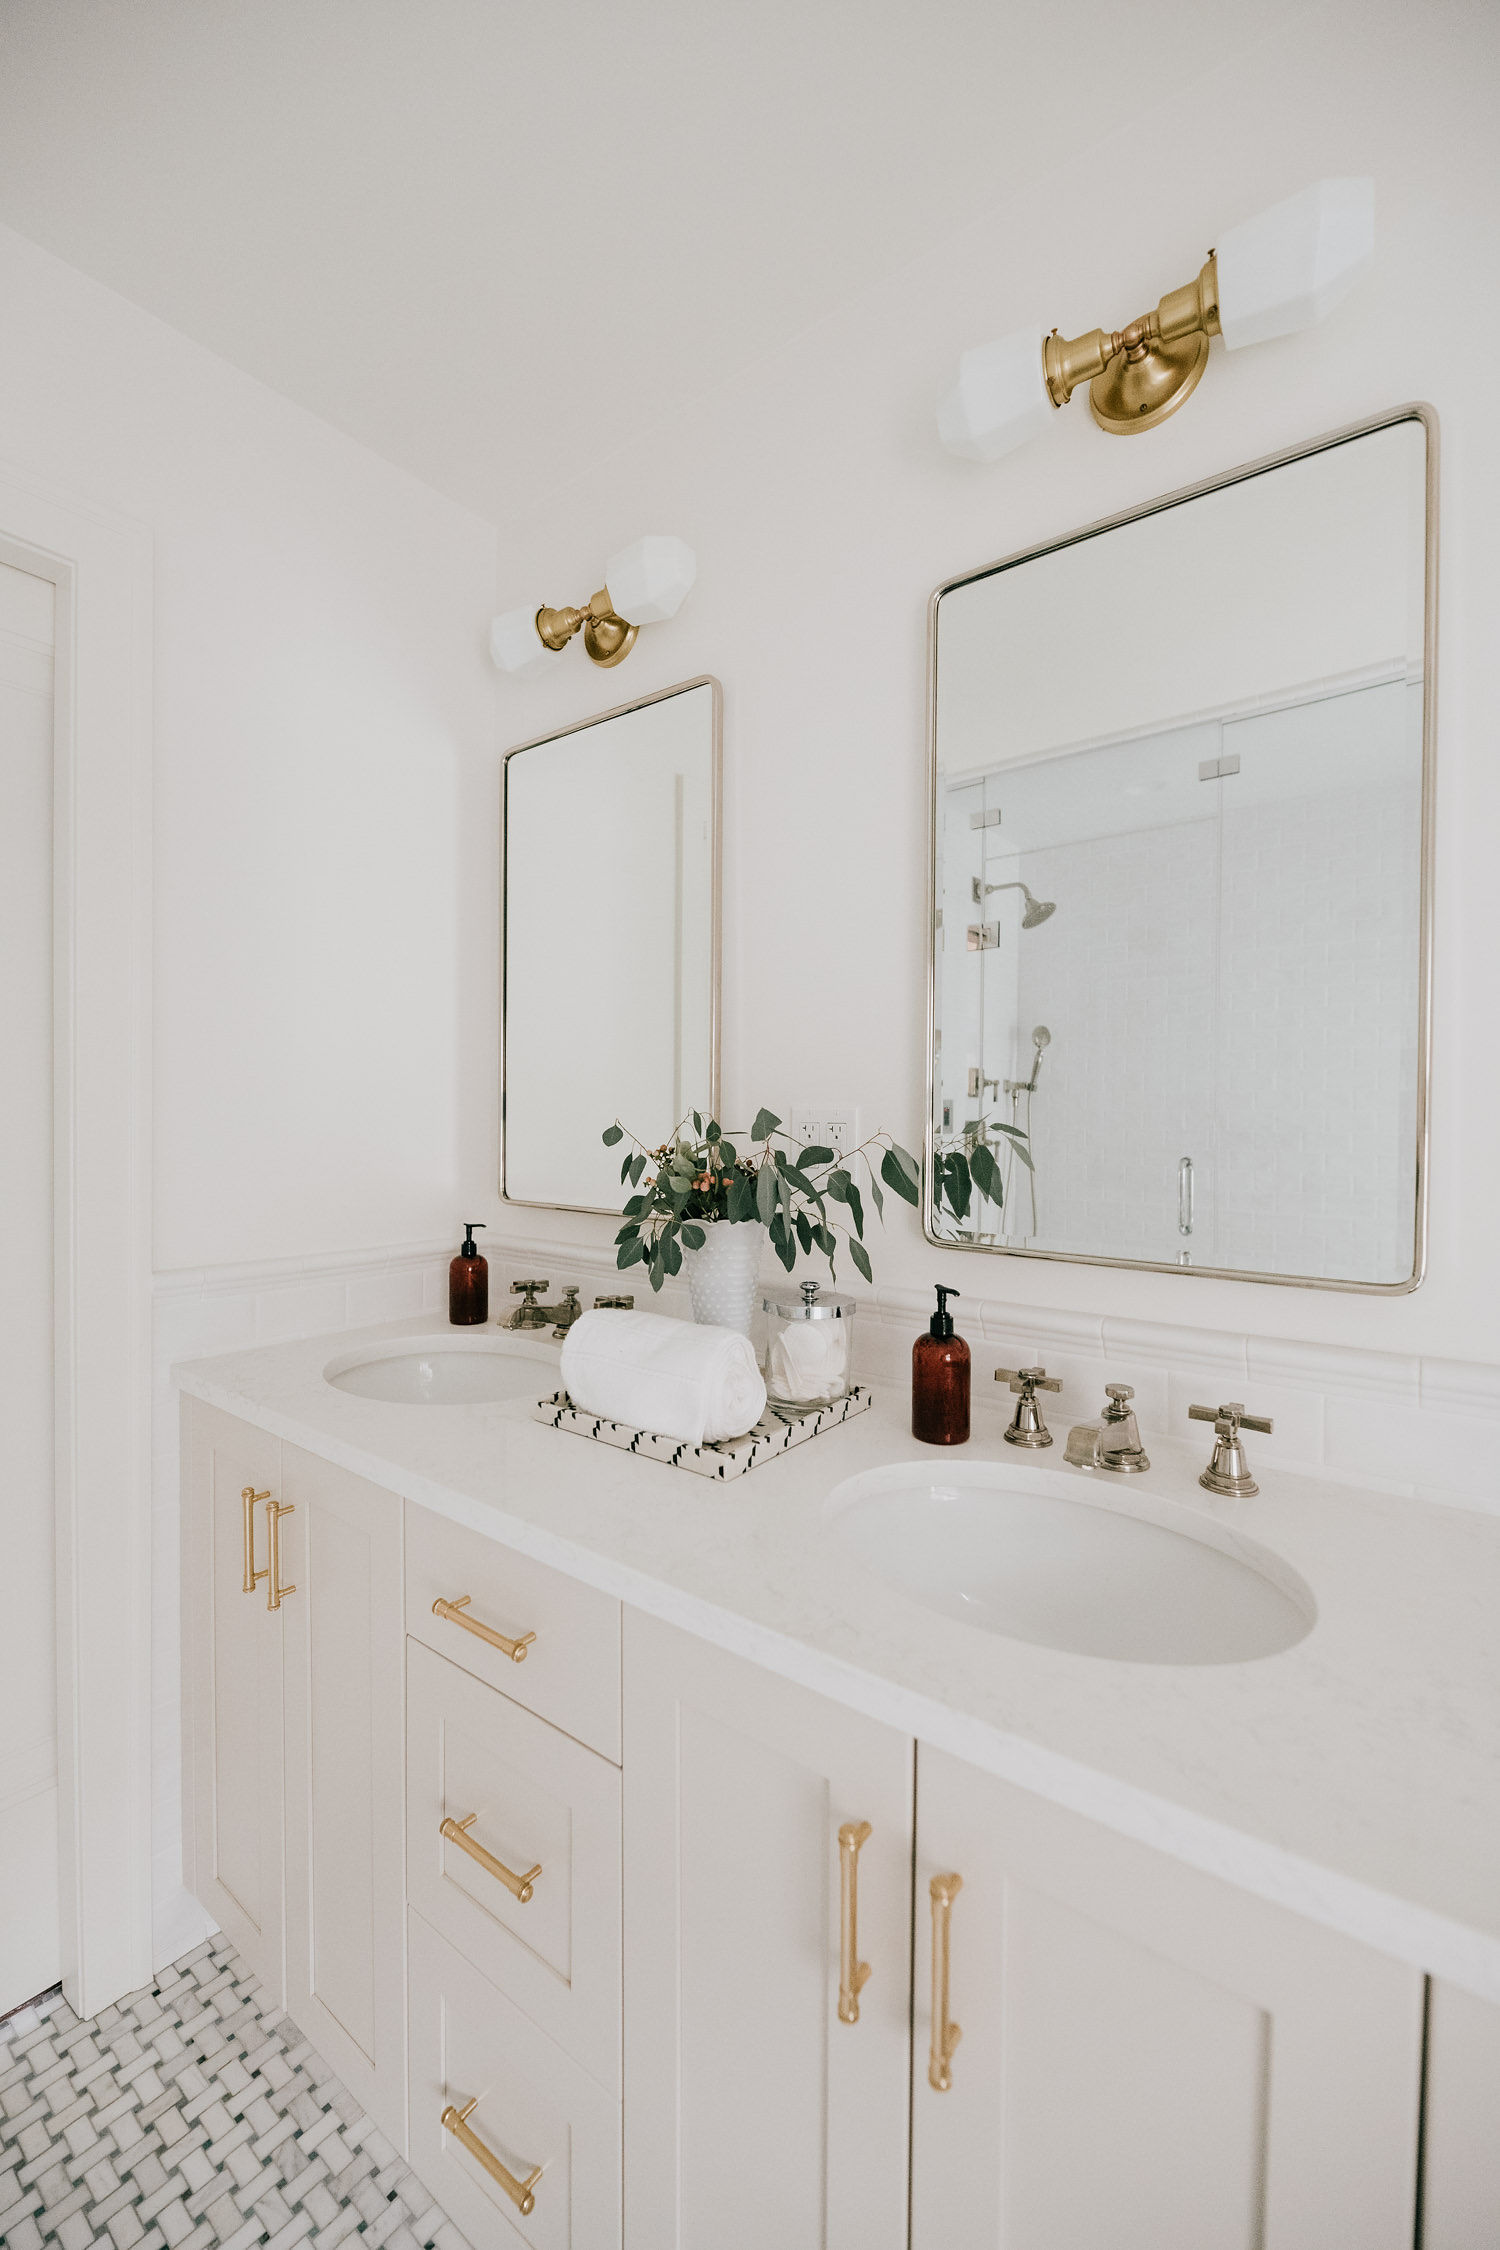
{"x": 631, "y": 1253}
{"x": 956, "y": 1169}
{"x": 786, "y": 1251}
{"x": 637, "y": 1167}
{"x": 625, "y": 1170}
{"x": 804, "y": 1234}
{"x": 627, "y": 1231}
{"x": 741, "y": 1199}
{"x": 861, "y": 1257}
{"x": 826, "y": 1242}
{"x": 798, "y": 1179}
{"x": 778, "y": 1230}
{"x": 671, "y": 1255}
{"x": 875, "y": 1189}
{"x": 765, "y": 1125}
{"x": 635, "y": 1206}
{"x": 712, "y": 1133}
{"x": 856, "y": 1209}
{"x": 728, "y": 1153}
{"x": 697, "y": 1124}
{"x": 986, "y": 1173}
{"x": 1024, "y": 1154}
{"x": 838, "y": 1185}
{"x": 613, "y": 1133}
{"x": 693, "y": 1236}
{"x": 896, "y": 1177}
{"x": 909, "y": 1166}
{"x": 765, "y": 1193}
{"x": 815, "y": 1155}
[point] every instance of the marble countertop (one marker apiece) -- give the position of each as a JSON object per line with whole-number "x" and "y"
{"x": 1354, "y": 1778}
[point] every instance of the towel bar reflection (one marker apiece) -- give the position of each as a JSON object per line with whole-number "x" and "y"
{"x": 1185, "y": 1196}
{"x": 453, "y": 1611}
{"x": 519, "y": 2191}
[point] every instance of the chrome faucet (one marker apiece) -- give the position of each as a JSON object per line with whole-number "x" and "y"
{"x": 1114, "y": 1441}
{"x": 1229, "y": 1471}
{"x": 531, "y": 1314}
{"x": 1027, "y": 1426}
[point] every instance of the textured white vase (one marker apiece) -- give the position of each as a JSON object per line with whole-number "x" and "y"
{"x": 722, "y": 1275}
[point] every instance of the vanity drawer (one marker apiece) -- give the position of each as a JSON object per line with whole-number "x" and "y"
{"x": 570, "y": 1673}
{"x": 543, "y": 1808}
{"x": 536, "y": 2112}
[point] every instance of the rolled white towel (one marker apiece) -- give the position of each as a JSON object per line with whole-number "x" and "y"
{"x": 671, "y": 1376}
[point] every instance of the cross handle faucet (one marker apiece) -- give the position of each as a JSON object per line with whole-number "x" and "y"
{"x": 1229, "y": 1471}
{"x": 1027, "y": 1427}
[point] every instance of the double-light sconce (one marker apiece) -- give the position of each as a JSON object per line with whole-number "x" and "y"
{"x": 1278, "y": 273}
{"x": 645, "y": 583}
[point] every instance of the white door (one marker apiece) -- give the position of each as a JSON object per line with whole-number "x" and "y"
{"x": 232, "y": 1700}
{"x": 1147, "y": 2058}
{"x": 30, "y": 1957}
{"x": 345, "y": 1812}
{"x": 756, "y": 2111}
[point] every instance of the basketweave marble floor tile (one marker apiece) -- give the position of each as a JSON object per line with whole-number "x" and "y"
{"x": 192, "y": 2116}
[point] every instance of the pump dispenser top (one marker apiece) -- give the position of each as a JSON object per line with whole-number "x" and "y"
{"x": 940, "y": 1379}
{"x": 469, "y": 1283}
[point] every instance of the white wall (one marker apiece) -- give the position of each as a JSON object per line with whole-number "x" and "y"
{"x": 320, "y": 680}
{"x": 823, "y": 513}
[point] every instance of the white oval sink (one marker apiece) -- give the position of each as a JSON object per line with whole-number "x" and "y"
{"x": 440, "y": 1371}
{"x": 1042, "y": 1557}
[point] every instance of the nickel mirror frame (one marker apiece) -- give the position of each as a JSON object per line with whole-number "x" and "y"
{"x": 1414, "y": 412}
{"x": 716, "y": 892}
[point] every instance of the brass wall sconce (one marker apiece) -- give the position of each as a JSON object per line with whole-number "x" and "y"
{"x": 645, "y": 583}
{"x": 1274, "y": 275}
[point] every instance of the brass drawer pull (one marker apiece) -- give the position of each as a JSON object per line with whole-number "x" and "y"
{"x": 454, "y": 1612}
{"x": 253, "y": 1576}
{"x": 519, "y": 1886}
{"x": 854, "y": 1974}
{"x": 519, "y": 2191}
{"x": 946, "y": 2034}
{"x": 275, "y": 1591}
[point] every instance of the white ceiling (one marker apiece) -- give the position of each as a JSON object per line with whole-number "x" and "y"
{"x": 458, "y": 228}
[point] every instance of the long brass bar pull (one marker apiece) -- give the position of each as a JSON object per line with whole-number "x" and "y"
{"x": 946, "y": 2034}
{"x": 519, "y": 1886}
{"x": 248, "y": 1499}
{"x": 519, "y": 2191}
{"x": 454, "y": 1612}
{"x": 275, "y": 1591}
{"x": 854, "y": 1974}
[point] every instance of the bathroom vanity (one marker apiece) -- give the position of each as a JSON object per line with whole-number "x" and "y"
{"x": 657, "y": 1871}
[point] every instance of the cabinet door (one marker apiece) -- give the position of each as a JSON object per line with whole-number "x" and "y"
{"x": 1148, "y": 2056}
{"x": 232, "y": 1686}
{"x": 1461, "y": 2174}
{"x": 753, "y": 2113}
{"x": 345, "y": 1818}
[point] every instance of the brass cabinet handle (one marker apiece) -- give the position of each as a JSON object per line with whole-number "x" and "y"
{"x": 454, "y": 1612}
{"x": 519, "y": 2191}
{"x": 519, "y": 1886}
{"x": 854, "y": 1974}
{"x": 946, "y": 2034}
{"x": 275, "y": 1591}
{"x": 253, "y": 1576}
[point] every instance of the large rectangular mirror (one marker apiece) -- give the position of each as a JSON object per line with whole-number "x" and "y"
{"x": 1181, "y": 831}
{"x": 610, "y": 991}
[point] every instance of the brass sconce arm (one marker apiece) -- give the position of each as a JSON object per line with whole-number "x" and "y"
{"x": 1139, "y": 374}
{"x": 606, "y": 636}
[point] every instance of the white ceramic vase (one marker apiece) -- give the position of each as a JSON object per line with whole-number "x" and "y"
{"x": 722, "y": 1275}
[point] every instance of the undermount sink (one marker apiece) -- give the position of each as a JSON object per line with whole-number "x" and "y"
{"x": 1042, "y": 1557}
{"x": 440, "y": 1371}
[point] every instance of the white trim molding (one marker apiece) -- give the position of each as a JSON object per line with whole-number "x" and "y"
{"x": 101, "y": 565}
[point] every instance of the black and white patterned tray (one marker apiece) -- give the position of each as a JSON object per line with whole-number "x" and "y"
{"x": 779, "y": 1429}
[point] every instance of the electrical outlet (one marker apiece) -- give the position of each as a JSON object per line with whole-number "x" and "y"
{"x": 827, "y": 1125}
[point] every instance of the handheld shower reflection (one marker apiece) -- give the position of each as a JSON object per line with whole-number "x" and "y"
{"x": 1035, "y": 910}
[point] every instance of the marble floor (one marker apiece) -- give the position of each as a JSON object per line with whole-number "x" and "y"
{"x": 192, "y": 2116}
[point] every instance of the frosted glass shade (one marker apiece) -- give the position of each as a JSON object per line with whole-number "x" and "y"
{"x": 650, "y": 579}
{"x": 1288, "y": 268}
{"x": 1000, "y": 399}
{"x": 514, "y": 642}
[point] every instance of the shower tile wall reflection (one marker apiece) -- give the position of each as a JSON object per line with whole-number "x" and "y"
{"x": 1186, "y": 959}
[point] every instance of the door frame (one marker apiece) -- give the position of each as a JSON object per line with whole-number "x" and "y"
{"x": 101, "y": 565}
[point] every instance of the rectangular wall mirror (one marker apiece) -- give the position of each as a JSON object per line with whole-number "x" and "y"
{"x": 610, "y": 990}
{"x": 1180, "y": 882}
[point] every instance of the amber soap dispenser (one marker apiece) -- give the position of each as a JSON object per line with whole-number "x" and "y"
{"x": 940, "y": 1380}
{"x": 469, "y": 1283}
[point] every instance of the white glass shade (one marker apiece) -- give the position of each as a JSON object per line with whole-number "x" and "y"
{"x": 650, "y": 579}
{"x": 1000, "y": 399}
{"x": 514, "y": 642}
{"x": 1288, "y": 268}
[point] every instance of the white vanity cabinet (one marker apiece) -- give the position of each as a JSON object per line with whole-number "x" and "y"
{"x": 1147, "y": 2055}
{"x": 1461, "y": 2143}
{"x": 292, "y": 1600}
{"x": 754, "y": 2112}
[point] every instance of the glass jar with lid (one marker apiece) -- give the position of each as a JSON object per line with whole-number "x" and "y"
{"x": 808, "y": 1355}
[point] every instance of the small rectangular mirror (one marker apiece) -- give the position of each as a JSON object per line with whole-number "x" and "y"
{"x": 1181, "y": 828}
{"x": 610, "y": 986}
